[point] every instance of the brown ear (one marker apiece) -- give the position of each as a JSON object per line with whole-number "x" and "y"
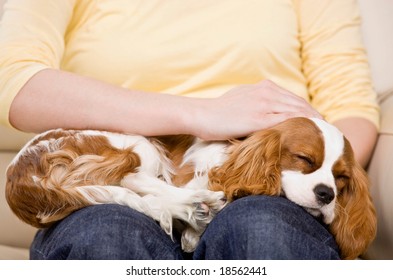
{"x": 252, "y": 168}
{"x": 355, "y": 224}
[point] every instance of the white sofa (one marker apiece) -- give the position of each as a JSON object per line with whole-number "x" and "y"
{"x": 15, "y": 237}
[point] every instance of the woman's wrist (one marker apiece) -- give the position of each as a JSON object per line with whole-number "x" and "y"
{"x": 191, "y": 115}
{"x": 152, "y": 114}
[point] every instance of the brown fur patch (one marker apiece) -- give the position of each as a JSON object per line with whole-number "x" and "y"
{"x": 176, "y": 146}
{"x": 42, "y": 181}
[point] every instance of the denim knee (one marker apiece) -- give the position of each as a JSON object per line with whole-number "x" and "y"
{"x": 263, "y": 227}
{"x": 105, "y": 232}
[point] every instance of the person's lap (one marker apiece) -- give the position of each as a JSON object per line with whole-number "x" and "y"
{"x": 254, "y": 227}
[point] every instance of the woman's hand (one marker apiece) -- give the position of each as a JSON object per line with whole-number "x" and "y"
{"x": 246, "y": 109}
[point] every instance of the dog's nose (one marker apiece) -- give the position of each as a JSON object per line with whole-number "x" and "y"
{"x": 324, "y": 193}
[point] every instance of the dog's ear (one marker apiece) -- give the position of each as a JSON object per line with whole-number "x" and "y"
{"x": 355, "y": 224}
{"x": 253, "y": 167}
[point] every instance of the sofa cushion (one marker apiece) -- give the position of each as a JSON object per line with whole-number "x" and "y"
{"x": 13, "y": 253}
{"x": 13, "y": 232}
{"x": 377, "y": 33}
{"x": 387, "y": 112}
{"x": 382, "y": 193}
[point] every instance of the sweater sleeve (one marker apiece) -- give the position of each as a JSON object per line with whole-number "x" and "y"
{"x": 334, "y": 60}
{"x": 31, "y": 39}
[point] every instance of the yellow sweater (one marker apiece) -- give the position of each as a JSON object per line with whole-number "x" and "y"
{"x": 198, "y": 48}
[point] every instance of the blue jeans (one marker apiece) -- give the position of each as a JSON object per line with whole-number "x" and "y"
{"x": 254, "y": 227}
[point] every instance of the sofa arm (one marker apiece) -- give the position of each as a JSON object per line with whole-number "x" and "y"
{"x": 381, "y": 175}
{"x": 13, "y": 140}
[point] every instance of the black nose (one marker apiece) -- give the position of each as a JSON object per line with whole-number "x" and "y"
{"x": 324, "y": 193}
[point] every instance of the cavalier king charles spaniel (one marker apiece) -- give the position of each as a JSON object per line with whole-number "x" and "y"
{"x": 182, "y": 181}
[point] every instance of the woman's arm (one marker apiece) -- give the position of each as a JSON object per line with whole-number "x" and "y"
{"x": 337, "y": 72}
{"x": 362, "y": 134}
{"x": 54, "y": 98}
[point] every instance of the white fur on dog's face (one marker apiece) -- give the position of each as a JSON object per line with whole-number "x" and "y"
{"x": 300, "y": 187}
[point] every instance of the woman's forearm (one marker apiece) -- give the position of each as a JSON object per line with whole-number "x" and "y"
{"x": 362, "y": 135}
{"x": 54, "y": 98}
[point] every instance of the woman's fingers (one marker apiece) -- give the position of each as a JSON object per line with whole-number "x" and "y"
{"x": 248, "y": 108}
{"x": 281, "y": 100}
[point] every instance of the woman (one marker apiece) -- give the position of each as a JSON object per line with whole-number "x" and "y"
{"x": 215, "y": 70}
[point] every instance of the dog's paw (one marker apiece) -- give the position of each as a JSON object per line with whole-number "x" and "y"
{"x": 207, "y": 205}
{"x": 203, "y": 205}
{"x": 190, "y": 239}
{"x": 194, "y": 208}
{"x": 206, "y": 208}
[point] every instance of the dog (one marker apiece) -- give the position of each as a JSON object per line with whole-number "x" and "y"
{"x": 182, "y": 181}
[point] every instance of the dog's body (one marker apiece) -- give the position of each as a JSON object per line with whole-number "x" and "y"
{"x": 181, "y": 178}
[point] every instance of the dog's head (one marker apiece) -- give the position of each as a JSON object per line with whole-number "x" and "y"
{"x": 312, "y": 164}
